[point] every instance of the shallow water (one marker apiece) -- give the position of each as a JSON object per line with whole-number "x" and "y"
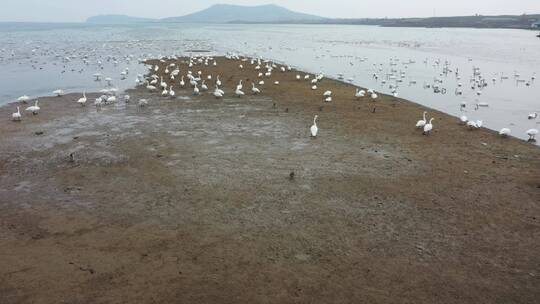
{"x": 36, "y": 59}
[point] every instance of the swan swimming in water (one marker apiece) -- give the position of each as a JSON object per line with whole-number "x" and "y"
{"x": 34, "y": 109}
{"x": 23, "y": 99}
{"x": 314, "y": 129}
{"x": 428, "y": 127}
{"x": 58, "y": 93}
{"x": 533, "y": 115}
{"x": 422, "y": 123}
{"x": 17, "y": 115}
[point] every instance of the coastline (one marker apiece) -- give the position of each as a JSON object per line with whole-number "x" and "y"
{"x": 193, "y": 198}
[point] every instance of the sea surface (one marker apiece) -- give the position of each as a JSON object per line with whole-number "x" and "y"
{"x": 484, "y": 74}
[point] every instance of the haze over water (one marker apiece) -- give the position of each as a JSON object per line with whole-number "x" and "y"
{"x": 36, "y": 59}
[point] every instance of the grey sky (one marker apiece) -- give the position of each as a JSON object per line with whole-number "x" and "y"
{"x": 79, "y": 10}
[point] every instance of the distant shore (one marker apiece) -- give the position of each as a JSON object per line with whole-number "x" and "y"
{"x": 202, "y": 200}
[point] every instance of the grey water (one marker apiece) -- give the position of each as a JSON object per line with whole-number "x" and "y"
{"x": 484, "y": 74}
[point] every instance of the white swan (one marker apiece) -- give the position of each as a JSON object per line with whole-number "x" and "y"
{"x": 196, "y": 90}
{"x": 428, "y": 127}
{"x": 204, "y": 87}
{"x": 463, "y": 119}
{"x": 164, "y": 92}
{"x": 327, "y": 94}
{"x": 23, "y": 99}
{"x": 314, "y": 129}
{"x": 34, "y": 109}
{"x": 82, "y": 100}
{"x": 532, "y": 134}
{"x": 254, "y": 89}
{"x": 238, "y": 92}
{"x": 360, "y": 93}
{"x": 504, "y": 132}
{"x": 58, "y": 93}
{"x": 218, "y": 82}
{"x": 240, "y": 86}
{"x": 218, "y": 93}
{"x": 533, "y": 115}
{"x": 17, "y": 115}
{"x": 423, "y": 122}
{"x": 182, "y": 82}
{"x": 143, "y": 103}
{"x": 171, "y": 92}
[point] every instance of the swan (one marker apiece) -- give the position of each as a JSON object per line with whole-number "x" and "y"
{"x": 218, "y": 82}
{"x": 254, "y": 89}
{"x": 34, "y": 109}
{"x": 164, "y": 92}
{"x": 532, "y": 134}
{"x": 98, "y": 102}
{"x": 82, "y": 101}
{"x": 374, "y": 96}
{"x": 182, "y": 82}
{"x": 171, "y": 92}
{"x": 422, "y": 123}
{"x": 533, "y": 115}
{"x": 218, "y": 93}
{"x": 58, "y": 93}
{"x": 111, "y": 99}
{"x": 239, "y": 93}
{"x": 204, "y": 87}
{"x": 127, "y": 98}
{"x": 150, "y": 87}
{"x": 23, "y": 99}
{"x": 504, "y": 132}
{"x": 463, "y": 119}
{"x": 314, "y": 129}
{"x": 196, "y": 90}
{"x": 17, "y": 115}
{"x": 163, "y": 84}
{"x": 143, "y": 103}
{"x": 360, "y": 93}
{"x": 298, "y": 77}
{"x": 428, "y": 127}
{"x": 327, "y": 93}
{"x": 240, "y": 86}
{"x": 328, "y": 99}
{"x": 314, "y": 87}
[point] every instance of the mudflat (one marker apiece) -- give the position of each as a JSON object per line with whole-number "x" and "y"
{"x": 204, "y": 200}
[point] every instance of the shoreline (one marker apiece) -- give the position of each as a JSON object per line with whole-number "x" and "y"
{"x": 199, "y": 199}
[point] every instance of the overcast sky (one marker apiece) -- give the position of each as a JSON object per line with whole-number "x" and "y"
{"x": 79, "y": 10}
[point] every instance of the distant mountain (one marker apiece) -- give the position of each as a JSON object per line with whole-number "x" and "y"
{"x": 225, "y": 13}
{"x": 117, "y": 19}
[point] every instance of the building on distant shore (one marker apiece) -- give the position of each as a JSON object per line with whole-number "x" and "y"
{"x": 535, "y": 24}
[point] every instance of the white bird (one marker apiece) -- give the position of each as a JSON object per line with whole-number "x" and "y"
{"x": 360, "y": 93}
{"x": 143, "y": 103}
{"x": 423, "y": 122}
{"x": 111, "y": 99}
{"x": 182, "y": 82}
{"x": 218, "y": 93}
{"x": 127, "y": 98}
{"x": 463, "y": 119}
{"x": 533, "y": 115}
{"x": 204, "y": 87}
{"x": 196, "y": 90}
{"x": 428, "y": 127}
{"x": 164, "y": 92}
{"x": 239, "y": 93}
{"x": 504, "y": 132}
{"x": 98, "y": 102}
{"x": 328, "y": 99}
{"x": 23, "y": 99}
{"x": 374, "y": 96}
{"x": 17, "y": 115}
{"x": 218, "y": 82}
{"x": 34, "y": 109}
{"x": 314, "y": 129}
{"x": 327, "y": 93}
{"x": 82, "y": 100}
{"x": 58, "y": 93}
{"x": 239, "y": 86}
{"x": 532, "y": 134}
{"x": 276, "y": 82}
{"x": 171, "y": 92}
{"x": 254, "y": 89}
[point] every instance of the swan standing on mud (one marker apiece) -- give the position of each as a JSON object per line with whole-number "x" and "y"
{"x": 422, "y": 123}
{"x": 34, "y": 109}
{"x": 82, "y": 100}
{"x": 428, "y": 127}
{"x": 254, "y": 89}
{"x": 314, "y": 129}
{"x": 17, "y": 115}
{"x": 504, "y": 132}
{"x": 532, "y": 134}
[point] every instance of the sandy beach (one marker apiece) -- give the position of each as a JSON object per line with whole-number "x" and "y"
{"x": 204, "y": 200}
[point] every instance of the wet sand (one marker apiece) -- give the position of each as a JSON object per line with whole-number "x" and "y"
{"x": 191, "y": 200}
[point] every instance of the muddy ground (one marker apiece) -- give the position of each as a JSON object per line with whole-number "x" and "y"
{"x": 191, "y": 200}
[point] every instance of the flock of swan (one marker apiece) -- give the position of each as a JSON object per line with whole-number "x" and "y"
{"x": 265, "y": 68}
